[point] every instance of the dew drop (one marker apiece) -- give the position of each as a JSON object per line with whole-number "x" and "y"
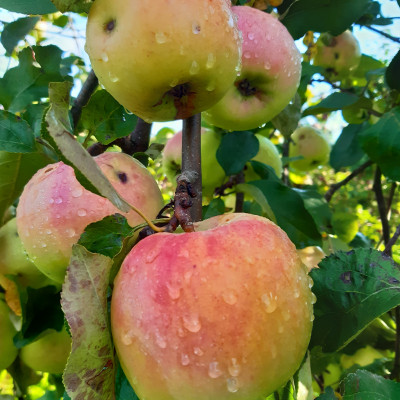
{"x": 194, "y": 68}
{"x": 296, "y": 293}
{"x": 230, "y": 297}
{"x": 210, "y": 86}
{"x": 161, "y": 342}
{"x": 267, "y": 65}
{"x": 188, "y": 276}
{"x": 161, "y": 37}
{"x": 198, "y": 351}
{"x": 174, "y": 291}
{"x": 246, "y": 54}
{"x": 58, "y": 200}
{"x": 210, "y": 61}
{"x": 48, "y": 231}
{"x": 250, "y": 35}
{"x": 70, "y": 232}
{"x": 185, "y": 360}
{"x": 174, "y": 82}
{"x": 312, "y": 317}
{"x": 313, "y": 298}
{"x": 127, "y": 338}
{"x": 214, "y": 370}
{"x": 113, "y": 78}
{"x": 232, "y": 385}
{"x": 192, "y": 323}
{"x": 270, "y": 302}
{"x": 44, "y": 245}
{"x": 77, "y": 192}
{"x": 234, "y": 368}
{"x": 310, "y": 282}
{"x": 82, "y": 212}
{"x": 104, "y": 57}
{"x": 51, "y": 200}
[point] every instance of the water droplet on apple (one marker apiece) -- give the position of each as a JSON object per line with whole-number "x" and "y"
{"x": 214, "y": 370}
{"x": 192, "y": 323}
{"x": 161, "y": 37}
{"x": 104, "y": 57}
{"x": 174, "y": 82}
{"x": 194, "y": 68}
{"x": 296, "y": 293}
{"x": 267, "y": 65}
{"x": 313, "y": 298}
{"x": 174, "y": 291}
{"x": 77, "y": 192}
{"x": 198, "y": 351}
{"x": 127, "y": 338}
{"x": 51, "y": 200}
{"x": 160, "y": 340}
{"x": 270, "y": 302}
{"x": 250, "y": 35}
{"x": 82, "y": 212}
{"x": 185, "y": 360}
{"x": 232, "y": 385}
{"x": 44, "y": 245}
{"x": 70, "y": 232}
{"x": 210, "y": 61}
{"x": 113, "y": 78}
{"x": 210, "y": 86}
{"x": 230, "y": 297}
{"x": 312, "y": 317}
{"x": 188, "y": 276}
{"x": 48, "y": 231}
{"x": 58, "y": 200}
{"x": 310, "y": 282}
{"x": 234, "y": 368}
{"x": 247, "y": 54}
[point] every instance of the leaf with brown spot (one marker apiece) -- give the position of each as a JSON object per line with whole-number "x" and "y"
{"x": 89, "y": 373}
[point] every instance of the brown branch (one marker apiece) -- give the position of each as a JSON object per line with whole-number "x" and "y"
{"x": 336, "y": 186}
{"x": 239, "y": 203}
{"x": 391, "y": 242}
{"x": 377, "y": 188}
{"x": 83, "y": 97}
{"x": 386, "y": 35}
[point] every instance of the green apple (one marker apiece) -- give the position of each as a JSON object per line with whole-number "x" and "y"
{"x": 270, "y": 74}
{"x": 164, "y": 60}
{"x": 365, "y": 356}
{"x": 49, "y": 353}
{"x": 309, "y": 143}
{"x": 355, "y": 115}
{"x": 213, "y": 174}
{"x": 8, "y": 352}
{"x": 337, "y": 54}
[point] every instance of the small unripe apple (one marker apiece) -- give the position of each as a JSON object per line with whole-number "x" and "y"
{"x": 309, "y": 143}
{"x": 49, "y": 353}
{"x": 270, "y": 74}
{"x": 54, "y": 208}
{"x": 220, "y": 313}
{"x": 337, "y": 54}
{"x": 212, "y": 173}
{"x": 8, "y": 352}
{"x": 164, "y": 60}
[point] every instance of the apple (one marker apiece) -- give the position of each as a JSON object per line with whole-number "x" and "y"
{"x": 337, "y": 54}
{"x": 355, "y": 115}
{"x": 212, "y": 173}
{"x": 269, "y": 78}
{"x": 309, "y": 143}
{"x": 49, "y": 353}
{"x": 224, "y": 312}
{"x": 8, "y": 352}
{"x": 164, "y": 60}
{"x": 54, "y": 208}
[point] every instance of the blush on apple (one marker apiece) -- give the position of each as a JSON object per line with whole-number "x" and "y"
{"x": 220, "y": 313}
{"x": 270, "y": 74}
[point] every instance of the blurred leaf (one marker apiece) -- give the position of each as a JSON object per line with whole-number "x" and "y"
{"x": 16, "y": 31}
{"x": 16, "y": 170}
{"x": 307, "y": 72}
{"x": 78, "y": 6}
{"x": 72, "y": 153}
{"x": 288, "y": 119}
{"x": 216, "y": 207}
{"x": 347, "y": 150}
{"x": 298, "y": 223}
{"x": 89, "y": 373}
{"x": 329, "y": 394}
{"x": 235, "y": 150}
{"x": 28, "y": 6}
{"x": 382, "y": 143}
{"x": 16, "y": 135}
{"x": 41, "y": 310}
{"x": 364, "y": 385}
{"x": 333, "y": 16}
{"x": 352, "y": 289}
{"x": 335, "y": 101}
{"x": 34, "y": 115}
{"x": 123, "y": 389}
{"x": 392, "y": 74}
{"x": 367, "y": 64}
{"x": 345, "y": 225}
{"x": 106, "y": 236}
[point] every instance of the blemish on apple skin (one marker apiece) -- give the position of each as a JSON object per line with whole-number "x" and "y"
{"x": 122, "y": 177}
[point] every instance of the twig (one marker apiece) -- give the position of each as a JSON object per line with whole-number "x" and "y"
{"x": 395, "y": 374}
{"x": 377, "y": 188}
{"x": 83, "y": 97}
{"x": 386, "y": 35}
{"x": 336, "y": 186}
{"x": 239, "y": 195}
{"x": 391, "y": 242}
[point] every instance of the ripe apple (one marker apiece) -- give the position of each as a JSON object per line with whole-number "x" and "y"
{"x": 49, "y": 353}
{"x": 309, "y": 143}
{"x": 164, "y": 60}
{"x": 8, "y": 352}
{"x": 220, "y": 313}
{"x": 212, "y": 173}
{"x": 54, "y": 208}
{"x": 337, "y": 54}
{"x": 270, "y": 74}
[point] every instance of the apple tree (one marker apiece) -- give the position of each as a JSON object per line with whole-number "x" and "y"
{"x": 250, "y": 251}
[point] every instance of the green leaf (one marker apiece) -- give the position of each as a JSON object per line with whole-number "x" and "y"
{"x": 329, "y": 394}
{"x": 235, "y": 150}
{"x": 288, "y": 119}
{"x": 335, "y": 101}
{"x": 392, "y": 73}
{"x": 352, "y": 289}
{"x": 89, "y": 373}
{"x": 333, "y": 16}
{"x": 41, "y": 310}
{"x": 347, "y": 150}
{"x": 368, "y": 66}
{"x": 16, "y": 135}
{"x": 216, "y": 207}
{"x": 123, "y": 389}
{"x": 382, "y": 143}
{"x": 307, "y": 72}
{"x": 78, "y": 6}
{"x": 59, "y": 136}
{"x": 364, "y": 385}
{"x": 28, "y": 6}
{"x": 16, "y": 170}
{"x": 297, "y": 223}
{"x": 16, "y": 31}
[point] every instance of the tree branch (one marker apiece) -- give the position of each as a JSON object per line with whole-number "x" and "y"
{"x": 336, "y": 186}
{"x": 386, "y": 35}
{"x": 391, "y": 242}
{"x": 377, "y": 187}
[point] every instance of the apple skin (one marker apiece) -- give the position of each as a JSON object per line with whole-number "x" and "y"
{"x": 339, "y": 54}
{"x": 220, "y": 313}
{"x": 309, "y": 143}
{"x": 49, "y": 353}
{"x": 8, "y": 352}
{"x": 164, "y": 60}
{"x": 54, "y": 208}
{"x": 269, "y": 78}
{"x": 212, "y": 173}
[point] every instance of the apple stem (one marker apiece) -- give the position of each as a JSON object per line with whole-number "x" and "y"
{"x": 239, "y": 195}
{"x": 191, "y": 163}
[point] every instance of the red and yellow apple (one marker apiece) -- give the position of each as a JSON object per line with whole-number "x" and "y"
{"x": 55, "y": 208}
{"x": 164, "y": 60}
{"x": 49, "y": 353}
{"x": 337, "y": 54}
{"x": 220, "y": 313}
{"x": 310, "y": 144}
{"x": 8, "y": 352}
{"x": 270, "y": 74}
